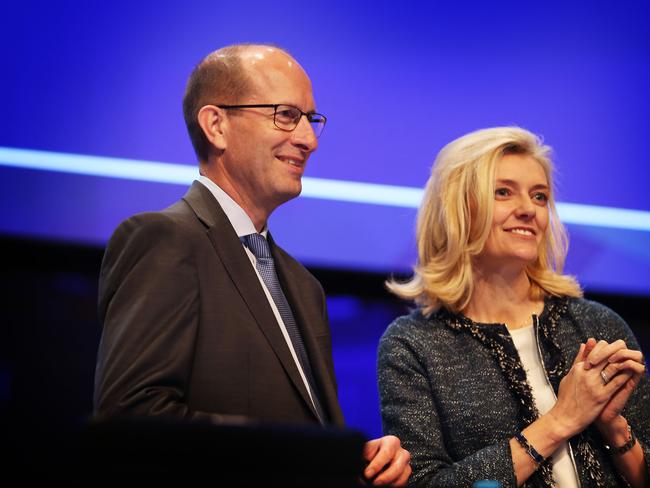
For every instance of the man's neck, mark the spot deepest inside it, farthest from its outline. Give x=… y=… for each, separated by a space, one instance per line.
x=258 y=214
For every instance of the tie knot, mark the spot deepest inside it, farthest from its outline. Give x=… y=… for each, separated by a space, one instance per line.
x=258 y=245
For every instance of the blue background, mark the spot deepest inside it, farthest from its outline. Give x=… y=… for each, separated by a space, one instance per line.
x=397 y=80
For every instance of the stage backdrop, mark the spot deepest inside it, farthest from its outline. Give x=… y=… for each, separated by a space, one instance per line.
x=91 y=129
x=91 y=98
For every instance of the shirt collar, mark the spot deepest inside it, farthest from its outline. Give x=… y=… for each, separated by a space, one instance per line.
x=238 y=218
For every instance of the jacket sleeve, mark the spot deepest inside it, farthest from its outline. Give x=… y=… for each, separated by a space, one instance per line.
x=148 y=308
x=409 y=412
x=612 y=327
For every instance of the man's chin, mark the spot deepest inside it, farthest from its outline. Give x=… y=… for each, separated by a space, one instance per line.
x=289 y=193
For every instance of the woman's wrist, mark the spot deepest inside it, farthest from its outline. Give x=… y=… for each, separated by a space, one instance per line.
x=559 y=430
x=616 y=432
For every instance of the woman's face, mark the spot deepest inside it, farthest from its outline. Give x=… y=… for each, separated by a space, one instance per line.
x=520 y=212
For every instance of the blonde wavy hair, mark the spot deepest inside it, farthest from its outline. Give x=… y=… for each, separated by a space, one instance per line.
x=455 y=218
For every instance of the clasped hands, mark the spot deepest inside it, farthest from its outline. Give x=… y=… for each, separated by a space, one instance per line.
x=597 y=387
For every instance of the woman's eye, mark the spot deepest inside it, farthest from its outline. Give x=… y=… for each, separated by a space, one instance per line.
x=541 y=197
x=501 y=192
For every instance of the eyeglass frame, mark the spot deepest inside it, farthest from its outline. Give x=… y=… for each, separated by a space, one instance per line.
x=275 y=106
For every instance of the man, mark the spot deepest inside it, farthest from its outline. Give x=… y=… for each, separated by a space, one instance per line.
x=204 y=316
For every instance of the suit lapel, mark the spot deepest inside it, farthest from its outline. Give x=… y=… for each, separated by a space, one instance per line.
x=233 y=256
x=306 y=317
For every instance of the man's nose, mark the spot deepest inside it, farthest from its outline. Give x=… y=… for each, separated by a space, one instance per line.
x=304 y=136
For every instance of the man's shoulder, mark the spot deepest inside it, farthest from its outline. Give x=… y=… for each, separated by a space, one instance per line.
x=174 y=217
x=174 y=229
x=190 y=209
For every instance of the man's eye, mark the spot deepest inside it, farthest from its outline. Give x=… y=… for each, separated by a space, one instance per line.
x=288 y=114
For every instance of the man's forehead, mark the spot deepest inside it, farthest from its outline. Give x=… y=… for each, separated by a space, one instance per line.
x=253 y=56
x=271 y=70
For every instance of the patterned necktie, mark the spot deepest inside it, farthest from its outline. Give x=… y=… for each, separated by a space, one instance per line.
x=259 y=246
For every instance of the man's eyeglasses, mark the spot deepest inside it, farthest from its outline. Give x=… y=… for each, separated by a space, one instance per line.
x=287 y=117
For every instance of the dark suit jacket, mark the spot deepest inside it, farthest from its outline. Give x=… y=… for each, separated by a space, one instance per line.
x=188 y=331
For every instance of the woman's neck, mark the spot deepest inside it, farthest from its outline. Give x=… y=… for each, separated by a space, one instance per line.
x=503 y=299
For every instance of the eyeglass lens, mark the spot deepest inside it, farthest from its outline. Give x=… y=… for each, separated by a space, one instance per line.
x=288 y=117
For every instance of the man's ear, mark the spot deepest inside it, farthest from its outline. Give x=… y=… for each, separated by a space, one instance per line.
x=213 y=123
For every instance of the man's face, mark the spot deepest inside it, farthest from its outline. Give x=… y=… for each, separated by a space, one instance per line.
x=263 y=163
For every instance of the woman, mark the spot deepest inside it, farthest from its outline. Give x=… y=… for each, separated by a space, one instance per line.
x=504 y=372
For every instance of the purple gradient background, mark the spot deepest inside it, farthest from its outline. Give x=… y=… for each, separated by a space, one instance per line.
x=397 y=82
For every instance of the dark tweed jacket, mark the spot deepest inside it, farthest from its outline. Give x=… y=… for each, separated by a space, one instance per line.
x=454 y=392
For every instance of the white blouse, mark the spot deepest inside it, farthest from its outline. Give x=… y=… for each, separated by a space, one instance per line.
x=526 y=343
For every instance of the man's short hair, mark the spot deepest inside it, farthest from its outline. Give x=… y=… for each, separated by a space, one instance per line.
x=220 y=78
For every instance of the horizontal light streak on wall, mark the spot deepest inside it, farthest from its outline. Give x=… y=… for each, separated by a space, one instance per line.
x=320 y=188
x=130 y=169
x=352 y=191
x=618 y=218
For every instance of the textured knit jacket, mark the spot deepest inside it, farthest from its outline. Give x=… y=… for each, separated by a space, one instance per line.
x=455 y=393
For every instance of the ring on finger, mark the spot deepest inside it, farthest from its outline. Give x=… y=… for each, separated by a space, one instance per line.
x=603 y=375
